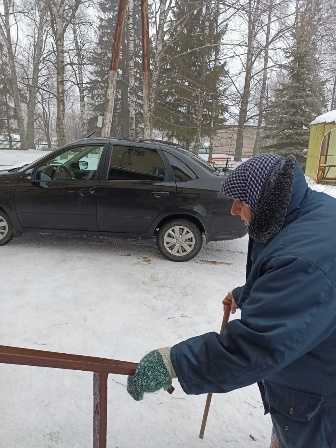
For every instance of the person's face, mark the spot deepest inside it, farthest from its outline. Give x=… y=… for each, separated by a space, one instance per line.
x=239 y=208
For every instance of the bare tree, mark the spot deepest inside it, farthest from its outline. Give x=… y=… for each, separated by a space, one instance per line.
x=78 y=69
x=45 y=116
x=33 y=83
x=327 y=48
x=5 y=108
x=112 y=78
x=333 y=96
x=216 y=62
x=62 y=14
x=146 y=69
x=131 y=71
x=253 y=19
x=261 y=106
x=6 y=18
x=161 y=19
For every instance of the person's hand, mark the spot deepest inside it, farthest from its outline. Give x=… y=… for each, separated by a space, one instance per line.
x=155 y=371
x=230 y=302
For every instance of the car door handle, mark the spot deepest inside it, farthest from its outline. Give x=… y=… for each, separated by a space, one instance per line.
x=87 y=192
x=160 y=194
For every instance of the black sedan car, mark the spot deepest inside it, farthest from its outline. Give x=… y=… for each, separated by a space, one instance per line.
x=111 y=186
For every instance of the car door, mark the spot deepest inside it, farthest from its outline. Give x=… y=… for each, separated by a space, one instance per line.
x=60 y=193
x=138 y=189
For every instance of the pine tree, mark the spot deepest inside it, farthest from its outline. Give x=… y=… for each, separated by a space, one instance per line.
x=300 y=98
x=189 y=100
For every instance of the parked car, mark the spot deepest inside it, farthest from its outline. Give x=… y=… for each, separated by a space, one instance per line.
x=119 y=187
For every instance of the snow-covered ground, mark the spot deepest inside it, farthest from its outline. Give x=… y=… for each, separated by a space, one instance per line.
x=328 y=189
x=116 y=299
x=17 y=158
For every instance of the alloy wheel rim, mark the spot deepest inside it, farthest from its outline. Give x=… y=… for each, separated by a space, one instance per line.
x=3 y=228
x=179 y=241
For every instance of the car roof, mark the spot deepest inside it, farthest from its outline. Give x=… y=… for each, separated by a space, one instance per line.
x=173 y=148
x=123 y=141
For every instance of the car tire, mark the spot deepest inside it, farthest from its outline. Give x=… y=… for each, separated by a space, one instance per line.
x=6 y=229
x=179 y=240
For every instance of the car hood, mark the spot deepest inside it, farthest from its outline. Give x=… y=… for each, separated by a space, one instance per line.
x=7 y=177
x=4 y=173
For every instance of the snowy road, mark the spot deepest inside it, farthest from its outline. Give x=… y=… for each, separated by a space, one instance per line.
x=117 y=299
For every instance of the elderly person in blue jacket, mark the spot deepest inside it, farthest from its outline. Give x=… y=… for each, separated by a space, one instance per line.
x=286 y=338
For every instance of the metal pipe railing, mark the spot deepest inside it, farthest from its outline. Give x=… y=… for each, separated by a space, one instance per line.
x=100 y=367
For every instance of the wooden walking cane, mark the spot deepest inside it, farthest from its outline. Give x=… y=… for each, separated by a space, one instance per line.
x=226 y=318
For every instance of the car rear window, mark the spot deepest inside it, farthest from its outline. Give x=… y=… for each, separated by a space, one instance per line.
x=181 y=171
x=197 y=159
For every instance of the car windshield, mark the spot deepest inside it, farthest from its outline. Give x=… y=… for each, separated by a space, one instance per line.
x=27 y=166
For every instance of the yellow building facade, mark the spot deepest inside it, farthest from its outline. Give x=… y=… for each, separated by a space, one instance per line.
x=321 y=157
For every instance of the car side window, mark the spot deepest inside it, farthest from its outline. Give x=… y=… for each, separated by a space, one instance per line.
x=132 y=163
x=75 y=164
x=181 y=172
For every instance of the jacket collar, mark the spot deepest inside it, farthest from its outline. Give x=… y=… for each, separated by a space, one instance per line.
x=274 y=201
x=299 y=193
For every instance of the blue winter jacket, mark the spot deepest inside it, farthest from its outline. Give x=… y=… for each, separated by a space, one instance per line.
x=286 y=337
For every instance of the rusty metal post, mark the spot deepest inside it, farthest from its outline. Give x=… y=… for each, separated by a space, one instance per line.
x=226 y=318
x=146 y=69
x=99 y=409
x=112 y=77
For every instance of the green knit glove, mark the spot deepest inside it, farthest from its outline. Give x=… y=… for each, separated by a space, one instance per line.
x=155 y=371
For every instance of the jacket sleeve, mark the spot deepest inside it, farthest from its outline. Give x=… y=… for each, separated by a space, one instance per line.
x=290 y=309
x=237 y=294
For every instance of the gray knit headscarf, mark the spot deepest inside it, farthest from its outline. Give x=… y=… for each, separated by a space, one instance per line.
x=263 y=182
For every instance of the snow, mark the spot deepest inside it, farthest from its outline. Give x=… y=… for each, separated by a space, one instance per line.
x=328 y=117
x=322 y=188
x=117 y=299
x=15 y=158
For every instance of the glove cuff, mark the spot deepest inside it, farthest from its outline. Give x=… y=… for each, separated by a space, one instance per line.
x=165 y=353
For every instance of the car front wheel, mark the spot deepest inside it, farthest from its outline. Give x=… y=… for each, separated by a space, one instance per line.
x=6 y=229
x=179 y=240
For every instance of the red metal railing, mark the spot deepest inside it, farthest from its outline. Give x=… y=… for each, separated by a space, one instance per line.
x=100 y=367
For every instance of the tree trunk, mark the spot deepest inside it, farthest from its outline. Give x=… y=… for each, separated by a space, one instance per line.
x=264 y=79
x=59 y=25
x=33 y=87
x=110 y=98
x=46 y=120
x=253 y=17
x=333 y=99
x=146 y=69
x=131 y=71
x=60 y=119
x=9 y=126
x=243 y=114
x=199 y=113
x=80 y=81
x=159 y=50
x=214 y=109
x=124 y=112
x=112 y=77
x=6 y=34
